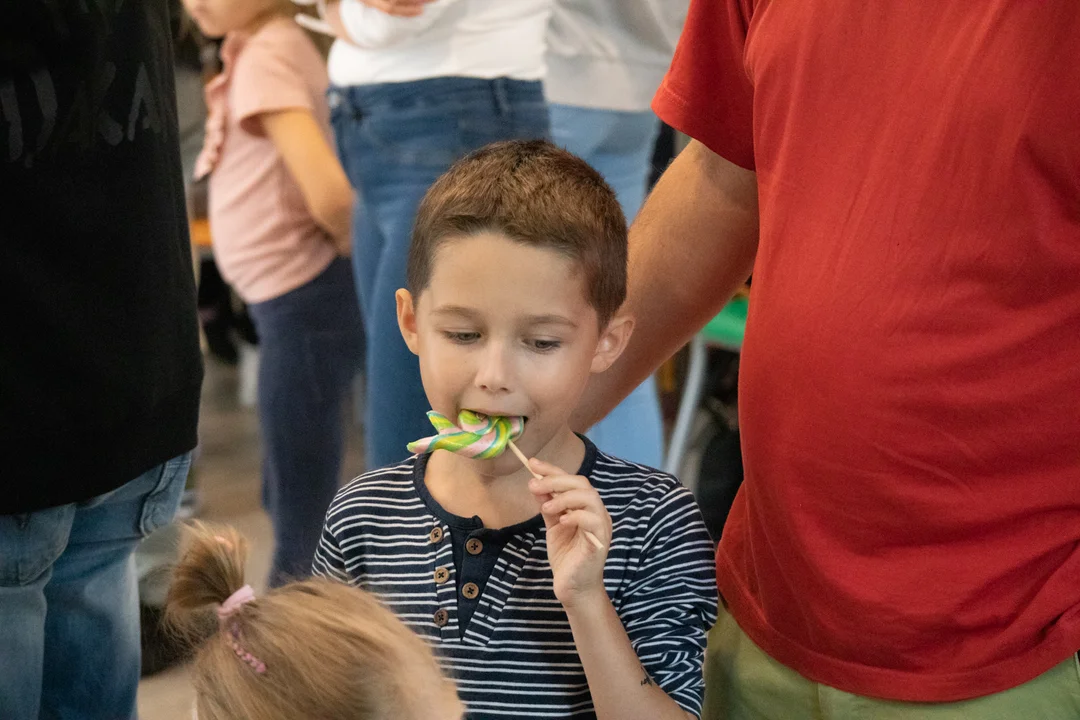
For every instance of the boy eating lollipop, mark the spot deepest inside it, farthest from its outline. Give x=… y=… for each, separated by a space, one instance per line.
x=516 y=274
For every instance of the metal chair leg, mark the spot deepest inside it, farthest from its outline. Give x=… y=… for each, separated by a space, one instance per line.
x=688 y=405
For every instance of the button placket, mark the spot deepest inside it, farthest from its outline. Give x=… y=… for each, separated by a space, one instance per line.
x=445 y=591
x=508 y=568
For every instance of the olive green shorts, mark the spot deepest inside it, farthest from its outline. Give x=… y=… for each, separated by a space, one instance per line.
x=743 y=683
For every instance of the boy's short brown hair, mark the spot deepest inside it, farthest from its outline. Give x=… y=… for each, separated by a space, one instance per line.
x=537 y=194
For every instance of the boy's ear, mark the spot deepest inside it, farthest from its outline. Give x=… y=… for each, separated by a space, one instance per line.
x=406 y=319
x=613 y=340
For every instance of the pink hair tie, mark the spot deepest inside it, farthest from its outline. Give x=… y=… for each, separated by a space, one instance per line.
x=234 y=602
x=232 y=631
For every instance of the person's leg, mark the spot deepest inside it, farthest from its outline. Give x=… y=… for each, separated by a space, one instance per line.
x=1054 y=695
x=92 y=653
x=624 y=152
x=310 y=352
x=581 y=130
x=395 y=403
x=619 y=145
x=634 y=429
x=352 y=149
x=390 y=184
x=367 y=243
x=366 y=238
x=743 y=683
x=406 y=144
x=29 y=545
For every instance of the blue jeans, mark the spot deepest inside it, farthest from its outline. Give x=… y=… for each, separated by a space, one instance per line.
x=310 y=347
x=69 y=603
x=619 y=145
x=395 y=140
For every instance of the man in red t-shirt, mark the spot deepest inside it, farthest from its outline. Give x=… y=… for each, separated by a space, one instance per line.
x=904 y=181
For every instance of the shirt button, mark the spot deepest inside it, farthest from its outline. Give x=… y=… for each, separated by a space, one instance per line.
x=474 y=546
x=436 y=535
x=441 y=618
x=470 y=591
x=442 y=575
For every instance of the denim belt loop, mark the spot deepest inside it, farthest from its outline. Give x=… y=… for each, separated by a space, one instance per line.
x=343 y=99
x=333 y=97
x=502 y=97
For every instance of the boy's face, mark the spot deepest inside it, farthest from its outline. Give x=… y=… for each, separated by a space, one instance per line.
x=506 y=329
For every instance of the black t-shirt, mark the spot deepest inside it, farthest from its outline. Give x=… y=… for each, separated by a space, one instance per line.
x=99 y=359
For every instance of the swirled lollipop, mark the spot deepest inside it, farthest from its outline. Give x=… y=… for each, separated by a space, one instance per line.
x=481 y=437
x=476 y=436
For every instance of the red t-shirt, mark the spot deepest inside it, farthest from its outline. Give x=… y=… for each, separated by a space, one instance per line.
x=909 y=527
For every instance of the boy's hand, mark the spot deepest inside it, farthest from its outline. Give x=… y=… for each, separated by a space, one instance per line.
x=570 y=506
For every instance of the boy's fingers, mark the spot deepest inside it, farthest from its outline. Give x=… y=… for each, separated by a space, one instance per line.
x=550 y=519
x=559 y=484
x=585 y=521
x=573 y=500
x=545 y=468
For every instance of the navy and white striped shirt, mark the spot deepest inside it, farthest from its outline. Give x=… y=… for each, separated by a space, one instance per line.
x=516 y=657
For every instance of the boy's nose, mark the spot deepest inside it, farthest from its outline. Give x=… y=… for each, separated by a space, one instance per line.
x=493 y=374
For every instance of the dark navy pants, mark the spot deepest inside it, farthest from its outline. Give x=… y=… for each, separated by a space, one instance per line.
x=310 y=348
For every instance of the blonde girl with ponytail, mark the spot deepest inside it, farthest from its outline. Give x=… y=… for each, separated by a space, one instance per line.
x=316 y=649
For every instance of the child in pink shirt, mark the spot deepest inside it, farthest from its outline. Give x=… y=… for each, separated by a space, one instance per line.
x=280 y=216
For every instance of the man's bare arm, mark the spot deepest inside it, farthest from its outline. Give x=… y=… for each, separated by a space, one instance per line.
x=691 y=247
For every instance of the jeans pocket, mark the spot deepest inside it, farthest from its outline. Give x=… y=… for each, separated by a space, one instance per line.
x=426 y=137
x=521 y=121
x=164 y=500
x=31 y=543
x=532 y=121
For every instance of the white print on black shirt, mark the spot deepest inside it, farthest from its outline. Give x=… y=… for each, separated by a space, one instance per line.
x=95 y=105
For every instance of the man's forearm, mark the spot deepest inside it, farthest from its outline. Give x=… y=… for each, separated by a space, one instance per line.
x=621 y=689
x=691 y=247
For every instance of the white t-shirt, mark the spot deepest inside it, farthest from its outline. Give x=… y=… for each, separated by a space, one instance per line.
x=461 y=38
x=611 y=54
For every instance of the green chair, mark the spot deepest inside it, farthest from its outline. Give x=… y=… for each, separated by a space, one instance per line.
x=723 y=331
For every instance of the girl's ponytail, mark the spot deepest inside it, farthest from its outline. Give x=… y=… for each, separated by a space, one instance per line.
x=210 y=571
x=311 y=649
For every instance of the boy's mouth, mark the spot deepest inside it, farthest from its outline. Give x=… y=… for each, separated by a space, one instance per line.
x=493 y=413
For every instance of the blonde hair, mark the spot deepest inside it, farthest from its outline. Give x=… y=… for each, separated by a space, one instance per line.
x=329 y=651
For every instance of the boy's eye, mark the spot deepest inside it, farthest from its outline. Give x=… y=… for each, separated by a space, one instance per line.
x=461 y=338
x=545 y=345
